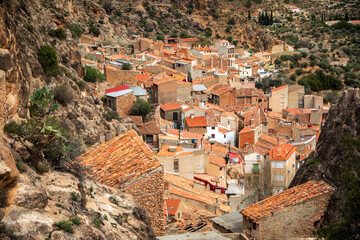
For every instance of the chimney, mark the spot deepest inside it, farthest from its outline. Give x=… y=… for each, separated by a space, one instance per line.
x=210 y=148
x=228 y=126
x=172 y=149
x=192 y=115
x=202 y=143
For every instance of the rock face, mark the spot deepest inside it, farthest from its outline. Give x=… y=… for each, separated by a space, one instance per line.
x=8 y=170
x=327 y=162
x=35 y=203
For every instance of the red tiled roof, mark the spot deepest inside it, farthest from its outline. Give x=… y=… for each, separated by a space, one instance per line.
x=189 y=40
x=170 y=106
x=221 y=89
x=217 y=160
x=282 y=152
x=116 y=89
x=119 y=160
x=143 y=77
x=278 y=88
x=171 y=206
x=196 y=121
x=211 y=180
x=289 y=197
x=150 y=128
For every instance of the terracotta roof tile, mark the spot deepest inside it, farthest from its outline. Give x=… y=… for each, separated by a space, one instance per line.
x=119 y=160
x=196 y=121
x=170 y=106
x=217 y=160
x=289 y=197
x=179 y=151
x=282 y=152
x=171 y=206
x=150 y=128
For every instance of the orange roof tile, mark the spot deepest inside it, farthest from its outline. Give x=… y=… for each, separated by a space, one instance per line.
x=211 y=179
x=170 y=106
x=289 y=197
x=279 y=88
x=221 y=89
x=282 y=152
x=119 y=160
x=217 y=160
x=196 y=121
x=179 y=151
x=171 y=206
x=150 y=128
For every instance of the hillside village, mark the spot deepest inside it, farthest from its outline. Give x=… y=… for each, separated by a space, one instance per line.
x=213 y=143
x=176 y=136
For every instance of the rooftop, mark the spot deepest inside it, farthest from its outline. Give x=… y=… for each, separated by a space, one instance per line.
x=170 y=106
x=171 y=206
x=138 y=91
x=289 y=197
x=119 y=93
x=279 y=88
x=150 y=128
x=217 y=160
x=116 y=89
x=119 y=160
x=282 y=152
x=194 y=236
x=196 y=121
x=231 y=221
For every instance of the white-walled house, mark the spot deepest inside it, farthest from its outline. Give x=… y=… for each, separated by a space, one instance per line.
x=221 y=134
x=254 y=163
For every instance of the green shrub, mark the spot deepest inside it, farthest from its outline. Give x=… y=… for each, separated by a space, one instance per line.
x=12 y=127
x=110 y=115
x=94 y=30
x=141 y=108
x=58 y=33
x=65 y=225
x=63 y=94
x=75 y=196
x=93 y=75
x=96 y=222
x=48 y=59
x=299 y=71
x=81 y=85
x=43 y=167
x=75 y=30
x=118 y=13
x=21 y=166
x=231 y=21
x=160 y=36
x=60 y=205
x=75 y=220
x=126 y=66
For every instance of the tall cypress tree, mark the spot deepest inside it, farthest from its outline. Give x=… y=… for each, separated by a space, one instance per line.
x=249 y=16
x=271 y=18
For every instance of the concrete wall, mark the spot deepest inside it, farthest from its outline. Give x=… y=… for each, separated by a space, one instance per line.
x=168 y=115
x=165 y=93
x=215 y=170
x=184 y=92
x=288 y=171
x=279 y=100
x=120 y=77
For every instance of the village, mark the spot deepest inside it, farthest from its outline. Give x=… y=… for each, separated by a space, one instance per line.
x=213 y=145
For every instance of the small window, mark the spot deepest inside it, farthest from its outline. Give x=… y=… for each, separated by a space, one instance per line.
x=110 y=102
x=278 y=177
x=176 y=165
x=281 y=104
x=175 y=116
x=224 y=135
x=212 y=135
x=213 y=128
x=282 y=95
x=257 y=157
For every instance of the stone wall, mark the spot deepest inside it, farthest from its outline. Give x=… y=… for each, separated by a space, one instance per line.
x=148 y=192
x=124 y=103
x=294 y=221
x=165 y=93
x=118 y=77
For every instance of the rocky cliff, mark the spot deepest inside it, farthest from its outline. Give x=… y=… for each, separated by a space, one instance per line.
x=336 y=160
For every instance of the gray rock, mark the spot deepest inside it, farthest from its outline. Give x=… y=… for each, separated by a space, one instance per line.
x=5 y=59
x=8 y=169
x=29 y=196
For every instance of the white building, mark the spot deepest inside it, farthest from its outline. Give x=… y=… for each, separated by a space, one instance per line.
x=221 y=134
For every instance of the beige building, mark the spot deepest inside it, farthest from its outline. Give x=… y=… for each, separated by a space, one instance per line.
x=279 y=98
x=313 y=101
x=183 y=161
x=296 y=96
x=282 y=166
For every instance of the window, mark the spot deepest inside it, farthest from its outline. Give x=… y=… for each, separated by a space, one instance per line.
x=175 y=116
x=282 y=95
x=224 y=135
x=212 y=128
x=109 y=103
x=281 y=104
x=278 y=177
x=178 y=215
x=277 y=164
x=257 y=157
x=212 y=135
x=176 y=165
x=255 y=168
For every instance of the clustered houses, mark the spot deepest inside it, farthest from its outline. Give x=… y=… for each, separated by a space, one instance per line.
x=213 y=142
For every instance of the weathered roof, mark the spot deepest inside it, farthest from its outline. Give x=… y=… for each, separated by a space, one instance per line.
x=199 y=87
x=150 y=128
x=279 y=88
x=116 y=89
x=217 y=160
x=138 y=91
x=196 y=121
x=170 y=106
x=195 y=236
x=282 y=152
x=119 y=93
x=119 y=160
x=231 y=221
x=289 y=197
x=171 y=206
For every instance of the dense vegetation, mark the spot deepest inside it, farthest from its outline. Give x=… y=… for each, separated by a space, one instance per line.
x=93 y=75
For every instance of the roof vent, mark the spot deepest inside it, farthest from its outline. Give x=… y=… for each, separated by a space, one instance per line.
x=172 y=148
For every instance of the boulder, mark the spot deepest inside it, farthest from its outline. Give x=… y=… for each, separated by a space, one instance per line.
x=29 y=196
x=8 y=169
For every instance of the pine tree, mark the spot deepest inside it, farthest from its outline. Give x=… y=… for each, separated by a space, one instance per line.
x=271 y=18
x=346 y=17
x=249 y=17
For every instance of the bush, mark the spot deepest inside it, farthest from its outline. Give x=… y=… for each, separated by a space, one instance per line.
x=160 y=36
x=229 y=38
x=208 y=32
x=126 y=66
x=58 y=33
x=75 y=196
x=75 y=30
x=93 y=75
x=293 y=77
x=110 y=115
x=43 y=167
x=63 y=94
x=141 y=108
x=94 y=30
x=299 y=71
x=21 y=166
x=75 y=220
x=231 y=21
x=48 y=59
x=81 y=85
x=96 y=222
x=65 y=225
